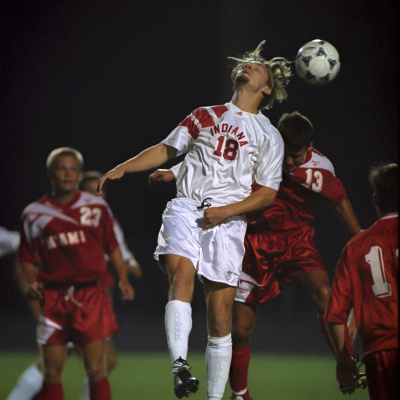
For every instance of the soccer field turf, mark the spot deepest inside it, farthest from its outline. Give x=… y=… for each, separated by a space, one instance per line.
x=146 y=376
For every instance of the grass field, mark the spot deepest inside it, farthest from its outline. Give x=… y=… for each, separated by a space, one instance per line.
x=146 y=376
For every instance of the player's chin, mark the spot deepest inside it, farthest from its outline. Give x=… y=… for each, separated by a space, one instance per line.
x=288 y=169
x=241 y=79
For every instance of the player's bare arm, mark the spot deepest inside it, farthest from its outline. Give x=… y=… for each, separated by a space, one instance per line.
x=127 y=292
x=23 y=285
x=34 y=289
x=134 y=268
x=150 y=158
x=257 y=201
x=345 y=214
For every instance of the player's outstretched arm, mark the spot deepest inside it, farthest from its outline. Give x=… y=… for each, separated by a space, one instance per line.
x=127 y=292
x=150 y=158
x=257 y=201
x=345 y=214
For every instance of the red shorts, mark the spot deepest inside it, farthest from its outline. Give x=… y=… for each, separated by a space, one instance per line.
x=272 y=257
x=79 y=315
x=382 y=374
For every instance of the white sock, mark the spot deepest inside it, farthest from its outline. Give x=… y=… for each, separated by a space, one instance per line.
x=28 y=385
x=85 y=389
x=218 y=361
x=178 y=324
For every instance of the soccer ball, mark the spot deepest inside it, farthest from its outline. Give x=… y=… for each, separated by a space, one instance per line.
x=317 y=62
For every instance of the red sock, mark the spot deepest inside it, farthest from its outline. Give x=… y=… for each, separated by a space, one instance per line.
x=100 y=390
x=51 y=392
x=325 y=332
x=238 y=372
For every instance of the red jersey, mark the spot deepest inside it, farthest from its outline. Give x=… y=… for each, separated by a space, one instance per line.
x=68 y=241
x=313 y=179
x=366 y=279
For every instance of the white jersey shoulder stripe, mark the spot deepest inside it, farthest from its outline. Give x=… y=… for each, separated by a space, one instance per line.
x=211 y=113
x=318 y=160
x=37 y=209
x=89 y=199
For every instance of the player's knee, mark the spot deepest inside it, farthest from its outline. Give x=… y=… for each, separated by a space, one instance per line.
x=53 y=374
x=240 y=336
x=321 y=298
x=182 y=291
x=241 y=331
x=219 y=326
x=95 y=371
x=111 y=363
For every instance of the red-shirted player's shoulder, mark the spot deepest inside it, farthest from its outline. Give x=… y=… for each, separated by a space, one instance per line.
x=315 y=159
x=381 y=225
x=37 y=206
x=89 y=199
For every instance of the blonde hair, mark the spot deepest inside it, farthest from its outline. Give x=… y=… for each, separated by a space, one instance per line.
x=63 y=151
x=278 y=70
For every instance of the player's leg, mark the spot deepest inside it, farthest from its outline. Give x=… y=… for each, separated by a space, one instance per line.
x=178 y=320
x=29 y=383
x=110 y=360
x=243 y=322
x=110 y=356
x=53 y=361
x=219 y=302
x=315 y=286
x=93 y=360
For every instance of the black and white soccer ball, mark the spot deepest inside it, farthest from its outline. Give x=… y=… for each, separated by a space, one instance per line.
x=317 y=62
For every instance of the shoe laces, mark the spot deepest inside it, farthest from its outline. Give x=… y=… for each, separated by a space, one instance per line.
x=359 y=362
x=180 y=364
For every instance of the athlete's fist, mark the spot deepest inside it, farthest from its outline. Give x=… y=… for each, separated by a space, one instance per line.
x=127 y=292
x=214 y=216
x=35 y=291
x=160 y=175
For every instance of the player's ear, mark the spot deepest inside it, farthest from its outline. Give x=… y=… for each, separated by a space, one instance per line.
x=266 y=90
x=374 y=200
x=310 y=146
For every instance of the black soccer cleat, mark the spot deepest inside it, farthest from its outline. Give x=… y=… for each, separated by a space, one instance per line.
x=184 y=382
x=360 y=381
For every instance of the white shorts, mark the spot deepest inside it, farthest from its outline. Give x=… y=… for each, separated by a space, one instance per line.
x=215 y=253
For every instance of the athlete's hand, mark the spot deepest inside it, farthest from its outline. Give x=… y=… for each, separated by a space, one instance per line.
x=214 y=216
x=133 y=268
x=116 y=173
x=127 y=292
x=346 y=371
x=160 y=175
x=35 y=291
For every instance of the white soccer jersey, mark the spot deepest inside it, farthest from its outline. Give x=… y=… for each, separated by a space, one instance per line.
x=227 y=150
x=9 y=241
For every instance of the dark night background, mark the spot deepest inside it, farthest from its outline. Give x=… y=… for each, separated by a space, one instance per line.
x=111 y=78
